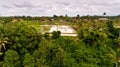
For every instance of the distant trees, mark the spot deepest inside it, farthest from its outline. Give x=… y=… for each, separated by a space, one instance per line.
x=56 y=34
x=55 y=16
x=104 y=13
x=66 y=15
x=78 y=16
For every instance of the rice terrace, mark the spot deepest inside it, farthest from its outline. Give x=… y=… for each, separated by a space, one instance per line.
x=64 y=29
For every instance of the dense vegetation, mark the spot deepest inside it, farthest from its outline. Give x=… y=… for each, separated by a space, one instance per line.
x=22 y=45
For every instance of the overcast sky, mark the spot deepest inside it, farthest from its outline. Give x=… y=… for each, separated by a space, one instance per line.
x=59 y=7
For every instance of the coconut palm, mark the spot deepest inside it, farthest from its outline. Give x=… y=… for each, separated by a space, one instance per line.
x=3 y=42
x=104 y=13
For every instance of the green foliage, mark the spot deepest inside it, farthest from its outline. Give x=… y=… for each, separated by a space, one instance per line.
x=23 y=38
x=56 y=34
x=20 y=37
x=93 y=37
x=26 y=47
x=29 y=61
x=98 y=55
x=41 y=53
x=11 y=59
x=46 y=35
x=113 y=32
x=1 y=64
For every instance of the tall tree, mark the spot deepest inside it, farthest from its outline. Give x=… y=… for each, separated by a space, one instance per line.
x=104 y=13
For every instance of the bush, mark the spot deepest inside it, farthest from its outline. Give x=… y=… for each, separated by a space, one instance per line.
x=56 y=34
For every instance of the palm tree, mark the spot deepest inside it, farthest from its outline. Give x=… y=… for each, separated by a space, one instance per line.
x=3 y=42
x=104 y=13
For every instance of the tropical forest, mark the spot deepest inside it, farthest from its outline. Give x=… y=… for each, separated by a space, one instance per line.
x=60 y=41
